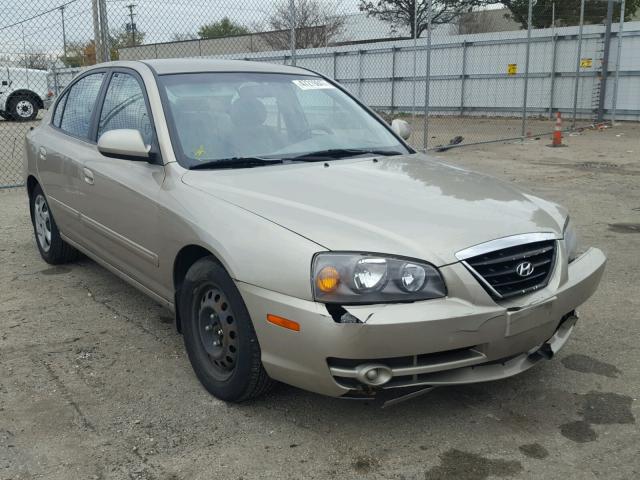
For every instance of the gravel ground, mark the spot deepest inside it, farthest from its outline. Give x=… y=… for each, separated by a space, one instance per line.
x=94 y=383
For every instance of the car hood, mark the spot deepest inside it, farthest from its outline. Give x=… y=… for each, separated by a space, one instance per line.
x=406 y=205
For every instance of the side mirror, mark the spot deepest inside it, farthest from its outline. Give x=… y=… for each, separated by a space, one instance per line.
x=123 y=143
x=402 y=128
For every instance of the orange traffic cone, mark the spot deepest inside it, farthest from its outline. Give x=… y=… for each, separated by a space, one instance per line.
x=557 y=133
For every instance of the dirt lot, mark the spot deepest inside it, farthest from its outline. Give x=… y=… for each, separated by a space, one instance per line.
x=95 y=384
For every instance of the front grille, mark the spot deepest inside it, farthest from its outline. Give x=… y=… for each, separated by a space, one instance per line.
x=497 y=270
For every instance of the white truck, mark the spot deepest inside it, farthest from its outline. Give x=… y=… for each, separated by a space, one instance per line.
x=23 y=91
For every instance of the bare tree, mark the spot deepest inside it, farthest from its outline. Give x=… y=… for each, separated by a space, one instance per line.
x=316 y=24
x=482 y=21
x=38 y=61
x=181 y=37
x=403 y=12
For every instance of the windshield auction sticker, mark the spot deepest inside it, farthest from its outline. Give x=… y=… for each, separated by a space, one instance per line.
x=315 y=84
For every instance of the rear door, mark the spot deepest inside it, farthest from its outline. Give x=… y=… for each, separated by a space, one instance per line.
x=62 y=148
x=121 y=197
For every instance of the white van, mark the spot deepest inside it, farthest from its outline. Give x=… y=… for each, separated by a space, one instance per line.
x=23 y=91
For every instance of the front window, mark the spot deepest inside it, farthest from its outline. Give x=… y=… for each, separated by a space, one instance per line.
x=124 y=107
x=229 y=116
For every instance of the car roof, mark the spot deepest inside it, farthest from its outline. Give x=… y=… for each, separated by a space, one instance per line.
x=192 y=65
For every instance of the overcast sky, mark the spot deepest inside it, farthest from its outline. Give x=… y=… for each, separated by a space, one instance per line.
x=159 y=19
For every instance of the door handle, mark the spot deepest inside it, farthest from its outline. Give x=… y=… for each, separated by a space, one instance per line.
x=42 y=153
x=88 y=176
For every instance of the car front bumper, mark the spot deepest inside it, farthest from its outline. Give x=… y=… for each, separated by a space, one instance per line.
x=464 y=338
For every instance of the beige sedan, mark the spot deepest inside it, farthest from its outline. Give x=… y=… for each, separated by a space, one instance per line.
x=297 y=236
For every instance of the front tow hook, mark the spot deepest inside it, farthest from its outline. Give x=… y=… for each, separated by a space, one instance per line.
x=545 y=351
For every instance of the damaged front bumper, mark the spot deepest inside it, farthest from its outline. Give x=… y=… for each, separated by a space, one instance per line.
x=464 y=338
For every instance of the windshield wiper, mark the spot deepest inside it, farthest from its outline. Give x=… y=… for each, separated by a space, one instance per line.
x=235 y=162
x=337 y=153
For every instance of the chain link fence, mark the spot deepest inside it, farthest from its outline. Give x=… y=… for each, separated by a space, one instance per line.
x=460 y=73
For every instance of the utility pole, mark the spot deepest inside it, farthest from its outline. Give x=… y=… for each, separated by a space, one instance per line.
x=104 y=29
x=605 y=61
x=64 y=33
x=97 y=41
x=132 y=25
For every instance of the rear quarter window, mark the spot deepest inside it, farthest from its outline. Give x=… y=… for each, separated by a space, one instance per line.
x=79 y=105
x=57 y=115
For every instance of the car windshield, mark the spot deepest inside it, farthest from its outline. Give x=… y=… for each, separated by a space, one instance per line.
x=233 y=117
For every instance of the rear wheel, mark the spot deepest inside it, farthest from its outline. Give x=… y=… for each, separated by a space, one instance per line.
x=23 y=108
x=52 y=248
x=219 y=336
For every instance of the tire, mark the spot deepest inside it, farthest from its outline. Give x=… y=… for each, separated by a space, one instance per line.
x=22 y=108
x=52 y=248
x=218 y=334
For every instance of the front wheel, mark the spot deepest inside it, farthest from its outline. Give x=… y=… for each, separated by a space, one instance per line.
x=23 y=108
x=219 y=336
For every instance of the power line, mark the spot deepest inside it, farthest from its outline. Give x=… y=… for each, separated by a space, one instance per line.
x=38 y=15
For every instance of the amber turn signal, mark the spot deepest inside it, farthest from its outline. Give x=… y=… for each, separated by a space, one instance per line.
x=328 y=279
x=283 y=322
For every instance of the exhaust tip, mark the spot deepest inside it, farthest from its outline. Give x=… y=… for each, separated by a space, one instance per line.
x=374 y=375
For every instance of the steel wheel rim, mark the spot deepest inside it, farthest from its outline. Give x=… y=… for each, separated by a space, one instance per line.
x=24 y=108
x=217 y=331
x=42 y=219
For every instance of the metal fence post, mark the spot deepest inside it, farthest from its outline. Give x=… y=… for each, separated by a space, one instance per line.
x=415 y=62
x=425 y=128
x=360 y=74
x=464 y=76
x=292 y=6
x=526 y=71
x=577 y=78
x=393 y=78
x=335 y=65
x=554 y=47
x=618 y=57
x=553 y=74
x=605 y=61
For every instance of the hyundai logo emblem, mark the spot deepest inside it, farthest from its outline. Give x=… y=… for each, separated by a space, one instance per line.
x=524 y=269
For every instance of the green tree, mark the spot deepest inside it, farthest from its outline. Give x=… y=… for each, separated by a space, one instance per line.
x=567 y=12
x=222 y=28
x=403 y=12
x=124 y=38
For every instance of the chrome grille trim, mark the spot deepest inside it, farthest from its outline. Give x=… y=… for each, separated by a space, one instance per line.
x=505 y=242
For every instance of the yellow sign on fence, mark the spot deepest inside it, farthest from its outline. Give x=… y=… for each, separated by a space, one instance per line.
x=586 y=62
x=512 y=69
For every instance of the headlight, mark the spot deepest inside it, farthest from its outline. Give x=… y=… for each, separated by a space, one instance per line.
x=570 y=240
x=357 y=278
